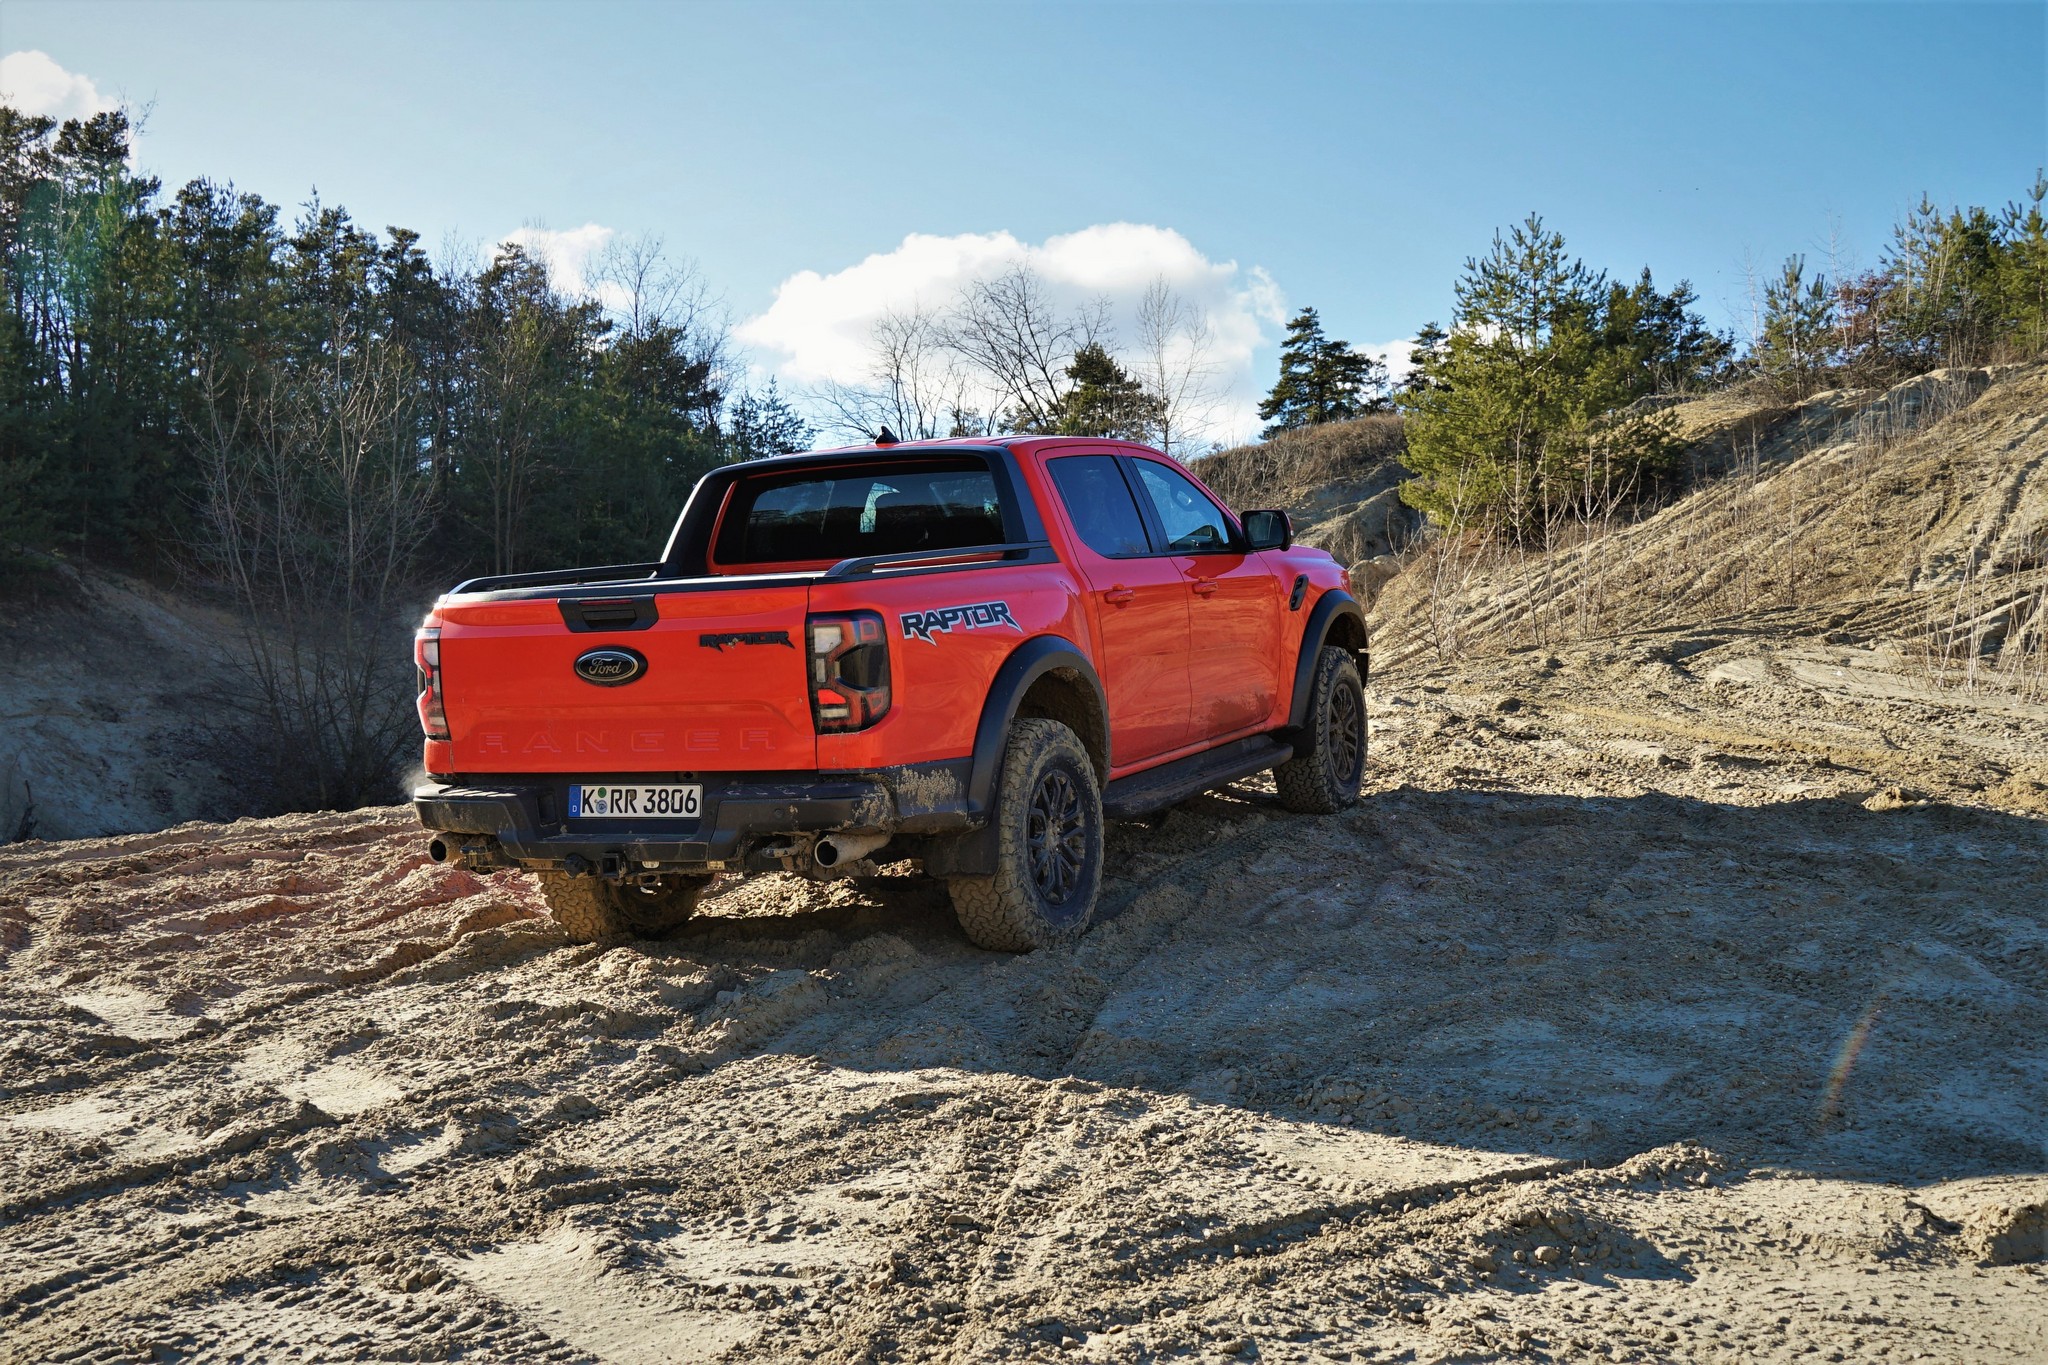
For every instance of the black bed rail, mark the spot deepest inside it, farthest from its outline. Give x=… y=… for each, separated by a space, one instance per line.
x=1019 y=552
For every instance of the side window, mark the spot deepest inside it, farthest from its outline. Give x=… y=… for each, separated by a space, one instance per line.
x=1192 y=522
x=1099 y=501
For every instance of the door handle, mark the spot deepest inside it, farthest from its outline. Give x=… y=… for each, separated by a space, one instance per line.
x=1205 y=586
x=1119 y=594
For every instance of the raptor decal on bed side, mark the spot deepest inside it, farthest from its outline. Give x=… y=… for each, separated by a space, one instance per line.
x=922 y=625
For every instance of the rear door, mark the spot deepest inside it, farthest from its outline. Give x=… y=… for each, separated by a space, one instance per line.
x=1234 y=604
x=720 y=684
x=1140 y=608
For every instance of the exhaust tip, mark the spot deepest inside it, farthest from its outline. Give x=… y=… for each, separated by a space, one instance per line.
x=437 y=849
x=834 y=850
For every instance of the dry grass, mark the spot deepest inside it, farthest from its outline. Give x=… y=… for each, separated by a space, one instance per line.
x=1282 y=472
x=1990 y=634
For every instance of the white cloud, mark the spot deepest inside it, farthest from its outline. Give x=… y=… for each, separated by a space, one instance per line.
x=819 y=326
x=571 y=256
x=1393 y=355
x=35 y=84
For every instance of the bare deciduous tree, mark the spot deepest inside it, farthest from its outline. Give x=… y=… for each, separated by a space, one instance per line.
x=506 y=442
x=1009 y=330
x=1172 y=361
x=916 y=386
x=998 y=358
x=642 y=290
x=314 y=513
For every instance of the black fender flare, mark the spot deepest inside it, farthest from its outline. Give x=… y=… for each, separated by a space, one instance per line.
x=1027 y=663
x=1331 y=605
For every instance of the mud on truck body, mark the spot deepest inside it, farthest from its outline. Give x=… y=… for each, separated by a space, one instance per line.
x=971 y=654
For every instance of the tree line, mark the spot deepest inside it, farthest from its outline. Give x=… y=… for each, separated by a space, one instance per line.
x=322 y=421
x=157 y=349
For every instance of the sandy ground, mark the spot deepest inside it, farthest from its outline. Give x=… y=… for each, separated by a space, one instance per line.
x=1680 y=998
x=111 y=714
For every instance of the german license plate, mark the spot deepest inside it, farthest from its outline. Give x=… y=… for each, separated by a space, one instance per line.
x=635 y=802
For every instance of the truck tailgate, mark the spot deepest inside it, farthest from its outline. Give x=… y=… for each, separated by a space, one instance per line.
x=723 y=687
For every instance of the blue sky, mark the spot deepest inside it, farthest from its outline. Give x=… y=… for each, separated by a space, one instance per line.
x=1347 y=156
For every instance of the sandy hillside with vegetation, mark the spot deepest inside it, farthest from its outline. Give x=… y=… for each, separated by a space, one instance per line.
x=1676 y=994
x=1340 y=482
x=1913 y=520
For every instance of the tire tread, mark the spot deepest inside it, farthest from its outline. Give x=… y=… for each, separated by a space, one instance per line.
x=588 y=908
x=1000 y=912
x=1306 y=783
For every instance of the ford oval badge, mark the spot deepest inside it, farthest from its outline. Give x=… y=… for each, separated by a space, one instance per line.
x=610 y=667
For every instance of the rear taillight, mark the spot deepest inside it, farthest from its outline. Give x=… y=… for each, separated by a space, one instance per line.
x=849 y=658
x=426 y=657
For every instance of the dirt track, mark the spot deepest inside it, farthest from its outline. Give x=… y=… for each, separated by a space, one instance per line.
x=1613 y=1024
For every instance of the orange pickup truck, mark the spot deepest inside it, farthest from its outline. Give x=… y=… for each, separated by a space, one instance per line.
x=968 y=653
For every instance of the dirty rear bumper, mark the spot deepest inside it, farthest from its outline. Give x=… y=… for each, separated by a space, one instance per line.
x=523 y=821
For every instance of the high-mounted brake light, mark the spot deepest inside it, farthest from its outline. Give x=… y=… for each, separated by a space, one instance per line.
x=849 y=667
x=426 y=657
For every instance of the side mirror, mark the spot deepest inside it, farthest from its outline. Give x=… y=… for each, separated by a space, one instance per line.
x=1268 y=530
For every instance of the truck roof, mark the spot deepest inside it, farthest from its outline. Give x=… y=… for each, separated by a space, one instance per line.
x=982 y=445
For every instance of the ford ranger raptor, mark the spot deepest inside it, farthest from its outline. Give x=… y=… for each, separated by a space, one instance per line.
x=968 y=653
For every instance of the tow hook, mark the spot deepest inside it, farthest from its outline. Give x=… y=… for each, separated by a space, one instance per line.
x=791 y=853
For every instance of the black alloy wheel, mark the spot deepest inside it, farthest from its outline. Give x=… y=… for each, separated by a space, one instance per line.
x=1347 y=743
x=1328 y=766
x=1056 y=836
x=1047 y=824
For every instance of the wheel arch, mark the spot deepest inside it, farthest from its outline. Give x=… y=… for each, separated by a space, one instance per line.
x=1336 y=619
x=1048 y=677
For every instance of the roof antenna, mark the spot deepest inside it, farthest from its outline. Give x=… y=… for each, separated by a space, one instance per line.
x=885 y=437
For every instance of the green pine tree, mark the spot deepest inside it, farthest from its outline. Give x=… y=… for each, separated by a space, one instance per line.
x=765 y=424
x=1321 y=379
x=1799 y=329
x=1519 y=413
x=1104 y=400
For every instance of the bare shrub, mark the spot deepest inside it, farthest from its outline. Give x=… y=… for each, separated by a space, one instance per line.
x=1989 y=634
x=313 y=517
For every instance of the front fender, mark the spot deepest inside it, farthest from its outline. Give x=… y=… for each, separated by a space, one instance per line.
x=1329 y=607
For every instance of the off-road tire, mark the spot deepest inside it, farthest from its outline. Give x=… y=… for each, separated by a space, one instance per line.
x=1323 y=776
x=1044 y=889
x=591 y=908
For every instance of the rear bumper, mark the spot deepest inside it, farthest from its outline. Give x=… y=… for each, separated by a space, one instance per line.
x=522 y=820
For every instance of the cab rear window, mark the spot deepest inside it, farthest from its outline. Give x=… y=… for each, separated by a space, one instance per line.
x=851 y=511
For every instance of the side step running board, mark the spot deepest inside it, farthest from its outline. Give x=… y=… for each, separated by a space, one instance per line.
x=1157 y=788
